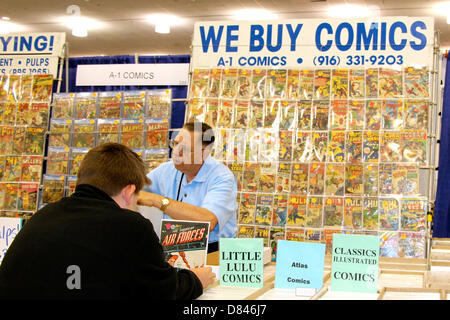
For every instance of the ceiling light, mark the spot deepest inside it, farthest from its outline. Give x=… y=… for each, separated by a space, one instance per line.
x=163 y=22
x=443 y=8
x=80 y=25
x=7 y=27
x=350 y=11
x=254 y=14
x=6 y=18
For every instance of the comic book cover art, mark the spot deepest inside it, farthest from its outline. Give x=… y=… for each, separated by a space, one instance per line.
x=370 y=179
x=322 y=84
x=370 y=214
x=299 y=178
x=280 y=210
x=353 y=212
x=414 y=146
x=252 y=145
x=154 y=157
x=2 y=167
x=389 y=213
x=4 y=85
x=221 y=147
x=389 y=244
x=287 y=115
x=11 y=193
x=320 y=113
x=184 y=243
x=268 y=151
x=23 y=116
x=132 y=134
x=76 y=156
x=319 y=146
x=108 y=131
x=83 y=133
x=62 y=105
x=28 y=196
x=26 y=86
x=405 y=179
x=241 y=114
x=229 y=83
x=86 y=105
x=416 y=114
x=417 y=82
x=316 y=178
x=304 y=111
x=353 y=179
x=196 y=110
x=413 y=214
x=267 y=174
x=34 y=140
x=215 y=81
x=392 y=114
x=356 y=113
x=251 y=177
x=411 y=245
x=39 y=113
x=226 y=113
x=306 y=84
x=339 y=84
x=244 y=83
x=296 y=211
x=19 y=140
x=159 y=104
x=212 y=112
x=338 y=115
x=272 y=114
x=357 y=84
x=14 y=88
x=336 y=146
x=13 y=168
x=42 y=87
x=258 y=84
x=314 y=212
x=256 y=119
x=237 y=146
x=199 y=87
x=59 y=135
x=134 y=104
x=390 y=83
x=276 y=83
x=9 y=113
x=371 y=146
x=276 y=233
x=262 y=232
x=372 y=83
x=283 y=178
x=109 y=105
x=245 y=231
x=328 y=239
x=293 y=84
x=373 y=115
x=312 y=235
x=57 y=161
x=238 y=171
x=390 y=146
x=385 y=182
x=263 y=213
x=285 y=146
x=31 y=168
x=6 y=143
x=157 y=135
x=295 y=234
x=334 y=179
x=71 y=185
x=303 y=147
x=333 y=211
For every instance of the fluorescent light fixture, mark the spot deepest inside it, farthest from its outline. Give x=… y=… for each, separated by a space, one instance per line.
x=443 y=8
x=351 y=11
x=7 y=27
x=254 y=14
x=163 y=22
x=80 y=25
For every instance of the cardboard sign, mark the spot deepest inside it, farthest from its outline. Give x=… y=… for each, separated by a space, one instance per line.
x=354 y=266
x=9 y=227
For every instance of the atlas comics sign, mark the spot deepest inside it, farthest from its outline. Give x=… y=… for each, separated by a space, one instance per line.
x=389 y=42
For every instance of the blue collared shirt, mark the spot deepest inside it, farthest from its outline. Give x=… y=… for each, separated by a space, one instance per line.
x=213 y=188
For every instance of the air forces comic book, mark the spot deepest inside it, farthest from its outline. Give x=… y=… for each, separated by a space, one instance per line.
x=390 y=146
x=299 y=178
x=276 y=83
x=314 y=212
x=357 y=84
x=86 y=105
x=316 y=178
x=416 y=114
x=42 y=87
x=296 y=211
x=322 y=79
x=62 y=105
x=371 y=145
x=258 y=84
x=333 y=212
x=229 y=83
x=199 y=87
x=134 y=104
x=263 y=213
x=293 y=84
x=84 y=133
x=353 y=179
x=417 y=82
x=247 y=208
x=356 y=113
x=392 y=114
x=339 y=84
x=353 y=212
x=109 y=105
x=304 y=111
x=370 y=213
x=390 y=83
x=413 y=214
x=334 y=179
x=31 y=168
x=336 y=146
x=108 y=131
x=389 y=213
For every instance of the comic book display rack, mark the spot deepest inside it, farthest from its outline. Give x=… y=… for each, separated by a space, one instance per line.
x=323 y=151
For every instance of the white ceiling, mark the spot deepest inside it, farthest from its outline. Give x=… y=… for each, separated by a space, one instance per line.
x=125 y=31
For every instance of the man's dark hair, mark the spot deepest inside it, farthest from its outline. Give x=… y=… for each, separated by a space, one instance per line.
x=110 y=167
x=207 y=135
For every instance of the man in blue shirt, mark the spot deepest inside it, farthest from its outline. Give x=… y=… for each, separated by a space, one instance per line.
x=194 y=186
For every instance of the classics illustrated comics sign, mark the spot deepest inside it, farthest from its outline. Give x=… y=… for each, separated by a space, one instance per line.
x=344 y=43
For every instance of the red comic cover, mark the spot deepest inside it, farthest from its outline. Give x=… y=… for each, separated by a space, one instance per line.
x=338 y=115
x=109 y=105
x=132 y=134
x=226 y=113
x=390 y=83
x=417 y=82
x=157 y=135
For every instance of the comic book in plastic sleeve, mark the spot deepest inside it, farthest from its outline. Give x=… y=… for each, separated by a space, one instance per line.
x=295 y=234
x=285 y=146
x=212 y=112
x=23 y=116
x=60 y=133
x=13 y=88
x=411 y=245
x=244 y=83
x=276 y=83
x=159 y=104
x=253 y=137
x=296 y=211
x=4 y=86
x=280 y=210
x=319 y=146
x=268 y=151
x=328 y=239
x=31 y=168
x=13 y=168
x=2 y=167
x=353 y=213
x=109 y=105
x=314 y=212
x=84 y=133
x=371 y=145
x=272 y=114
x=229 y=83
x=154 y=157
x=237 y=168
x=334 y=179
x=416 y=114
x=338 y=115
x=263 y=212
x=134 y=104
x=299 y=178
x=293 y=84
x=306 y=84
x=372 y=82
x=283 y=178
x=42 y=87
x=276 y=233
x=304 y=111
x=333 y=211
x=405 y=179
x=34 y=140
x=313 y=235
x=53 y=188
x=357 y=83
x=63 y=105
x=247 y=207
x=245 y=231
x=413 y=214
x=390 y=83
x=267 y=177
x=263 y=233
x=390 y=146
x=196 y=110
x=76 y=156
x=237 y=146
x=11 y=195
x=57 y=161
x=86 y=105
x=185 y=243
x=215 y=81
x=322 y=79
x=256 y=118
x=389 y=214
x=320 y=112
x=221 y=144
x=417 y=82
x=241 y=114
x=370 y=179
x=9 y=113
x=226 y=113
x=287 y=115
x=370 y=213
x=339 y=84
x=303 y=147
x=19 y=135
x=385 y=182
x=71 y=185
x=199 y=87
x=373 y=115
x=353 y=179
x=316 y=178
x=250 y=181
x=26 y=87
x=389 y=244
x=108 y=131
x=39 y=113
x=157 y=134
x=354 y=141
x=392 y=114
x=28 y=196
x=132 y=133
x=258 y=84
x=414 y=146
x=336 y=146
x=6 y=136
x=356 y=113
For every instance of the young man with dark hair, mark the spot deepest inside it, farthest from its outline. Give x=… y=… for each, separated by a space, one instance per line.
x=93 y=244
x=194 y=186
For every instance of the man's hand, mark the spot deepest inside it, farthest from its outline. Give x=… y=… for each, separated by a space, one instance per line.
x=205 y=275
